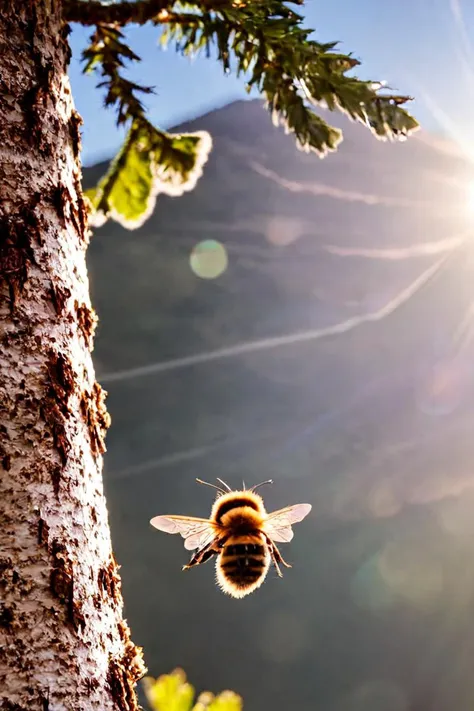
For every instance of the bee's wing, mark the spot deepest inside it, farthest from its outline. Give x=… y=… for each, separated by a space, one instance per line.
x=278 y=523
x=195 y=531
x=200 y=538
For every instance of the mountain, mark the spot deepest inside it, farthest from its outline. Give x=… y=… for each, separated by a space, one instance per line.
x=334 y=355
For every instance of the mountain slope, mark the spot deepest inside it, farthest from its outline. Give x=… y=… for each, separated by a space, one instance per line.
x=370 y=421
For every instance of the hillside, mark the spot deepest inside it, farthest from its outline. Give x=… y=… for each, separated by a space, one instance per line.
x=371 y=424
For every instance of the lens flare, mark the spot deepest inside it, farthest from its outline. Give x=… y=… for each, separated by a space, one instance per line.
x=209 y=259
x=408 y=572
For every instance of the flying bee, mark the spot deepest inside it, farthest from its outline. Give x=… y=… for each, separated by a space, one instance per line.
x=240 y=533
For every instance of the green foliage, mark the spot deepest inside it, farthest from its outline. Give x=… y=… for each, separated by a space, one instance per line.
x=264 y=41
x=150 y=162
x=295 y=74
x=172 y=692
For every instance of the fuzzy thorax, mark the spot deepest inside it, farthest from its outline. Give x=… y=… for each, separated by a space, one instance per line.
x=239 y=509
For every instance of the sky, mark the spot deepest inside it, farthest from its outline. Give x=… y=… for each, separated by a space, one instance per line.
x=424 y=48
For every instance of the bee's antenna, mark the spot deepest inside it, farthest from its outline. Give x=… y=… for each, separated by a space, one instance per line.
x=224 y=484
x=243 y=485
x=269 y=481
x=213 y=486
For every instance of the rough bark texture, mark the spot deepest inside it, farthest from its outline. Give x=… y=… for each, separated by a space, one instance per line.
x=63 y=641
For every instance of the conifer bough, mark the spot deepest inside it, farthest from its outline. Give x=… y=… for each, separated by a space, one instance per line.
x=63 y=641
x=263 y=40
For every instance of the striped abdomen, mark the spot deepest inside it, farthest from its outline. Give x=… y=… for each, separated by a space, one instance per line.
x=242 y=564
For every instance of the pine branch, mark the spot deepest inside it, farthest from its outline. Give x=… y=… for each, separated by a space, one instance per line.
x=266 y=41
x=267 y=44
x=109 y=52
x=263 y=40
x=94 y=12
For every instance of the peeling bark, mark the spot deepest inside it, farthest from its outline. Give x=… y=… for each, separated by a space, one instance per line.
x=63 y=642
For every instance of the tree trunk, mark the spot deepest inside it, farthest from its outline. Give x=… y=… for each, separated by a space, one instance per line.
x=63 y=641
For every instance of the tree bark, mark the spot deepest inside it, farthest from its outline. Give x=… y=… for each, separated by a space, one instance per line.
x=63 y=641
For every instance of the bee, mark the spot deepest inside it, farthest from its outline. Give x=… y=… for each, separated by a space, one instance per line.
x=240 y=533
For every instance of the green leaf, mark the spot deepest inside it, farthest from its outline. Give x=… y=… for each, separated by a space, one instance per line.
x=170 y=692
x=178 y=159
x=150 y=162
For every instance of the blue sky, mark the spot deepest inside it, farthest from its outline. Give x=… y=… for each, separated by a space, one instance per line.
x=421 y=47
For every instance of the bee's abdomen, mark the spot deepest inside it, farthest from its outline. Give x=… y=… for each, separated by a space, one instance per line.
x=243 y=563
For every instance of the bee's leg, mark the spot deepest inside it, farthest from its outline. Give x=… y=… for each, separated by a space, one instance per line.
x=275 y=562
x=279 y=557
x=276 y=556
x=201 y=556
